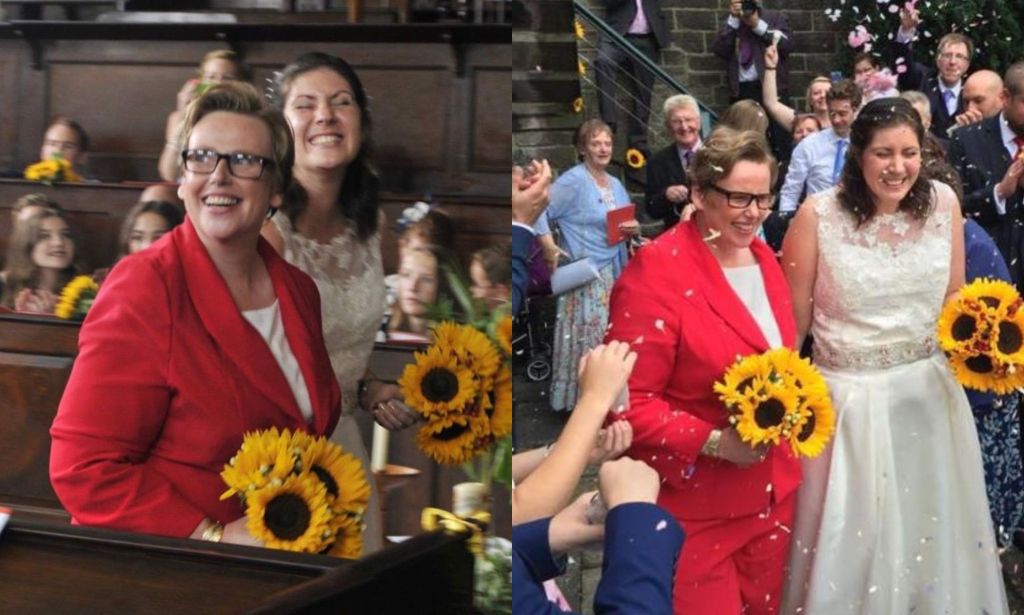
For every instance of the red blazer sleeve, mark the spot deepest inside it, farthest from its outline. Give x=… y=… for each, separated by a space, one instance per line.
x=114 y=407
x=645 y=313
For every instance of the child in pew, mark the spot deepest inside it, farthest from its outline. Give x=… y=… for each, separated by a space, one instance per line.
x=146 y=222
x=490 y=271
x=65 y=138
x=40 y=261
x=421 y=226
x=421 y=283
x=216 y=67
x=31 y=204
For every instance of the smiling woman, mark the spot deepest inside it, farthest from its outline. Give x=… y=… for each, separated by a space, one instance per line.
x=140 y=437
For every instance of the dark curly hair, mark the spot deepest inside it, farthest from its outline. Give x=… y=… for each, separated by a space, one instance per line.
x=854 y=195
x=358 y=198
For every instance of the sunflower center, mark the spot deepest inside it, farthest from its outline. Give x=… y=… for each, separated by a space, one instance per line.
x=980 y=364
x=287 y=516
x=964 y=327
x=807 y=429
x=769 y=413
x=1010 y=338
x=440 y=385
x=992 y=302
x=450 y=433
x=326 y=478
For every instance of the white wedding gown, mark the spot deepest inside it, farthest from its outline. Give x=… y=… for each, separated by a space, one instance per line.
x=892 y=518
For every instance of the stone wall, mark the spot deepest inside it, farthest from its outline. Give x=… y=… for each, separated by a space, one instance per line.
x=545 y=80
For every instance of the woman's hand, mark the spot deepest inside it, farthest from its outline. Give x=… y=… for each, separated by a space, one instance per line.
x=732 y=448
x=630 y=228
x=604 y=373
x=35 y=301
x=236 y=533
x=384 y=401
x=771 y=56
x=611 y=442
x=187 y=93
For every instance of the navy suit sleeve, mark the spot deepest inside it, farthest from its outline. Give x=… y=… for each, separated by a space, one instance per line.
x=522 y=240
x=978 y=200
x=657 y=206
x=641 y=545
x=532 y=564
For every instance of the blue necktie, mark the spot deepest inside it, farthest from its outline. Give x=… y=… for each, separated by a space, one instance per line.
x=837 y=166
x=950 y=99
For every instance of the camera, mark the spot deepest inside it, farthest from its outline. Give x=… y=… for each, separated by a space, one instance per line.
x=750 y=6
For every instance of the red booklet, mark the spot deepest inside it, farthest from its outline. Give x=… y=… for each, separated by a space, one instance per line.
x=615 y=218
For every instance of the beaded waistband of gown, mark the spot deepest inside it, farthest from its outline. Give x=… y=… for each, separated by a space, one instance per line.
x=875 y=357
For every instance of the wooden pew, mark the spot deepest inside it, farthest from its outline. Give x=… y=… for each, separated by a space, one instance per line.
x=36 y=355
x=97 y=210
x=63 y=569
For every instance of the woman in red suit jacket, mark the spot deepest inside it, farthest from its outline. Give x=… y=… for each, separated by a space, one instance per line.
x=690 y=303
x=171 y=370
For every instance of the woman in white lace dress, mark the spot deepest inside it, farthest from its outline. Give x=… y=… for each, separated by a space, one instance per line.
x=330 y=228
x=893 y=517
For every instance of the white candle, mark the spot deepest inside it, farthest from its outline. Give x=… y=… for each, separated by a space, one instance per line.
x=379 y=453
x=469 y=498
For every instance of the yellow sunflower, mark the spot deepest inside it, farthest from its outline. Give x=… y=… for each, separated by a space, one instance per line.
x=817 y=422
x=635 y=158
x=77 y=297
x=577 y=104
x=437 y=383
x=965 y=324
x=741 y=379
x=577 y=26
x=768 y=417
x=348 y=540
x=503 y=334
x=453 y=439
x=981 y=373
x=797 y=372
x=500 y=411
x=1008 y=338
x=341 y=473
x=471 y=346
x=995 y=294
x=581 y=68
x=265 y=458
x=293 y=516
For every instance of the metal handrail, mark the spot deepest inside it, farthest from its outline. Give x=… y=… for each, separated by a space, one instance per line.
x=708 y=117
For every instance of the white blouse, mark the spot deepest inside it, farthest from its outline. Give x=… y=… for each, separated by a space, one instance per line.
x=748 y=284
x=268 y=322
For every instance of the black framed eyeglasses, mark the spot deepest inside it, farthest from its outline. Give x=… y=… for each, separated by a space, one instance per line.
x=244 y=166
x=742 y=200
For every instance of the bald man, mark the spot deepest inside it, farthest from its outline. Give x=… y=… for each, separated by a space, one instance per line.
x=983 y=97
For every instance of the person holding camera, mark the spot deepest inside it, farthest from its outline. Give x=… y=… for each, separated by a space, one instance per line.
x=741 y=42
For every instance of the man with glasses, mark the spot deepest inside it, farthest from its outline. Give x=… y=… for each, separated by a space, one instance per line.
x=65 y=138
x=667 y=194
x=944 y=85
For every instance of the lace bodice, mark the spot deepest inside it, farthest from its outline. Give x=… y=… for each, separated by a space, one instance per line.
x=880 y=287
x=350 y=277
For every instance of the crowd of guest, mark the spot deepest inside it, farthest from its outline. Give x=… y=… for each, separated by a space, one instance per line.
x=257 y=264
x=840 y=229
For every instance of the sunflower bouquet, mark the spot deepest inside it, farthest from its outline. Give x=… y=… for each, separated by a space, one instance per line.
x=76 y=298
x=299 y=492
x=778 y=397
x=54 y=169
x=982 y=333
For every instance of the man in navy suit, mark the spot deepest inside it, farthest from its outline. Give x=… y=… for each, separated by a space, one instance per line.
x=944 y=84
x=641 y=545
x=643 y=25
x=989 y=156
x=668 y=190
x=529 y=198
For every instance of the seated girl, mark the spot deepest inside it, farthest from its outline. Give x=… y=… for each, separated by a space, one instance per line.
x=420 y=282
x=40 y=261
x=146 y=222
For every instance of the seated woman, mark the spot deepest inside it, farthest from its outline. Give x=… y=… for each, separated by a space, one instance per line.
x=490 y=271
x=146 y=222
x=217 y=67
x=141 y=433
x=40 y=261
x=420 y=284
